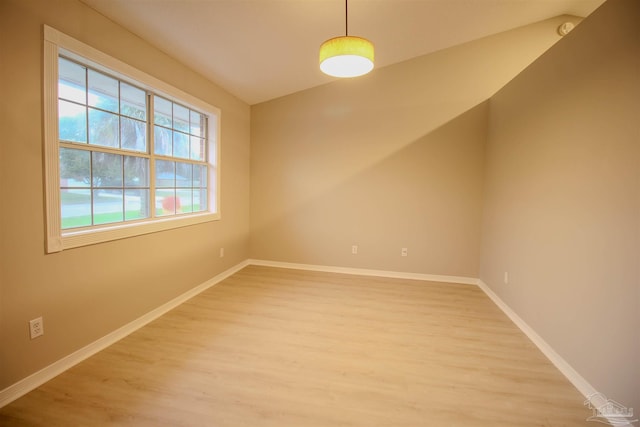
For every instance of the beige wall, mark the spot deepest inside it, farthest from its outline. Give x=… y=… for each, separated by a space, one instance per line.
x=394 y=159
x=562 y=211
x=85 y=293
x=389 y=160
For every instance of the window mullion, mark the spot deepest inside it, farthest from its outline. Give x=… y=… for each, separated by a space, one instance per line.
x=91 y=189
x=86 y=121
x=102 y=149
x=207 y=163
x=124 y=212
x=152 y=163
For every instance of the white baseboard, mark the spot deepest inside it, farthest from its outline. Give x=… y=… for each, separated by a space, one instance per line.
x=562 y=365
x=366 y=272
x=578 y=381
x=36 y=379
x=572 y=375
x=33 y=381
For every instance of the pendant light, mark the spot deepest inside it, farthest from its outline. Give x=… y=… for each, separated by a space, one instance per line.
x=346 y=56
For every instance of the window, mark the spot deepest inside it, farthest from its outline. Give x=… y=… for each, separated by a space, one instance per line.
x=125 y=154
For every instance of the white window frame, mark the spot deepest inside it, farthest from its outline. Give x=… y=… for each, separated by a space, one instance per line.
x=57 y=239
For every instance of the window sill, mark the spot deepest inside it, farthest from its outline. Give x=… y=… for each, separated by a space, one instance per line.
x=76 y=238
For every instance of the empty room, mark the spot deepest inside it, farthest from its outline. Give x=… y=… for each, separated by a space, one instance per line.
x=320 y=213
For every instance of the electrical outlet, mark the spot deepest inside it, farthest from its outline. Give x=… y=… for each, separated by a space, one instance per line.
x=404 y=252
x=354 y=249
x=221 y=252
x=36 y=327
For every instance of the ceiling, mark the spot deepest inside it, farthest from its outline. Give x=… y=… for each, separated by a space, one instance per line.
x=263 y=49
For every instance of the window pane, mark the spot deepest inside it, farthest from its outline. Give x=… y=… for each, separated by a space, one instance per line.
x=183 y=175
x=75 y=208
x=199 y=176
x=185 y=202
x=72 y=81
x=103 y=91
x=107 y=170
x=75 y=168
x=196 y=200
x=103 y=128
x=107 y=206
x=180 y=118
x=136 y=204
x=133 y=134
x=133 y=102
x=162 y=112
x=200 y=200
x=197 y=148
x=165 y=174
x=196 y=124
x=180 y=145
x=136 y=172
x=162 y=141
x=72 y=123
x=166 y=202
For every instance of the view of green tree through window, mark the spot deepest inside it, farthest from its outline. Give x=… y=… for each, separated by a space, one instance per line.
x=126 y=153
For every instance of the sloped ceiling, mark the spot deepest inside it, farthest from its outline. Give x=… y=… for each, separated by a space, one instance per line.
x=263 y=49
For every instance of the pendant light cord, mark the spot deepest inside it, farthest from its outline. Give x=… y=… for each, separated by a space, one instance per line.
x=346 y=17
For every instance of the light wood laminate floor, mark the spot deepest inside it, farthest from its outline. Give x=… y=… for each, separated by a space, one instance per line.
x=290 y=348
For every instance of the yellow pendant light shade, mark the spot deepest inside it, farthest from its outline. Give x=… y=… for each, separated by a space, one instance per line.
x=346 y=56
